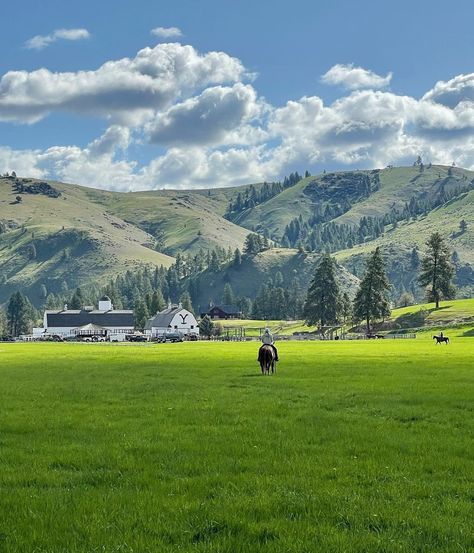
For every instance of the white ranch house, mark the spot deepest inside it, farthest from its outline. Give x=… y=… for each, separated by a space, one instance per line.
x=104 y=323
x=174 y=319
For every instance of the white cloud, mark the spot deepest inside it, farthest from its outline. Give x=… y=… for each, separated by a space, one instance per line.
x=216 y=130
x=167 y=32
x=39 y=42
x=127 y=90
x=453 y=92
x=214 y=117
x=354 y=78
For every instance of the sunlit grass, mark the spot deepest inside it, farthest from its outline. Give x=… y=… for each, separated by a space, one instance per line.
x=352 y=446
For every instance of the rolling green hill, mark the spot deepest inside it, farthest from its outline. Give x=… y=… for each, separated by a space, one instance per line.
x=62 y=235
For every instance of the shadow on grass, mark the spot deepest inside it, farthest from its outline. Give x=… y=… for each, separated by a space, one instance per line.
x=417 y=318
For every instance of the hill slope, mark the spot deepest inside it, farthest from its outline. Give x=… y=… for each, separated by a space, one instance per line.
x=65 y=239
x=64 y=235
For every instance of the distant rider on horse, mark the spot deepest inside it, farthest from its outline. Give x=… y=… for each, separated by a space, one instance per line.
x=267 y=339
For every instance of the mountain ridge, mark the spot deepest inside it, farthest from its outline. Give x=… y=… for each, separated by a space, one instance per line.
x=61 y=235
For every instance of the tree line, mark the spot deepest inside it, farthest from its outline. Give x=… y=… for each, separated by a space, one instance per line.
x=326 y=305
x=254 y=195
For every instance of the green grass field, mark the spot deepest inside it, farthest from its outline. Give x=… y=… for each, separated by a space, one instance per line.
x=352 y=447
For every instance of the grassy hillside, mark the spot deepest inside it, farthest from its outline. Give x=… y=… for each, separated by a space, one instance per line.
x=398 y=243
x=85 y=235
x=76 y=241
x=363 y=447
x=181 y=221
x=450 y=313
x=396 y=186
x=245 y=279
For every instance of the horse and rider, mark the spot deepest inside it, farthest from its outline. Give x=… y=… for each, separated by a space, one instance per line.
x=268 y=353
x=441 y=339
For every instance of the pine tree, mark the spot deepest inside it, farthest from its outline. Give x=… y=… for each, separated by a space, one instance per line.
x=228 y=297
x=141 y=314
x=436 y=271
x=322 y=300
x=77 y=300
x=18 y=314
x=237 y=257
x=214 y=262
x=186 y=302
x=462 y=226
x=157 y=302
x=206 y=326
x=345 y=307
x=371 y=302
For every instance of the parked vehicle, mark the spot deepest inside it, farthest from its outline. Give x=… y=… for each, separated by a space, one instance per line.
x=171 y=337
x=136 y=338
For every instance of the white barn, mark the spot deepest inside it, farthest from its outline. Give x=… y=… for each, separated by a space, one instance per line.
x=174 y=319
x=104 y=323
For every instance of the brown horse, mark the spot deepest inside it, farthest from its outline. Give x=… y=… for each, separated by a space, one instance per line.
x=266 y=356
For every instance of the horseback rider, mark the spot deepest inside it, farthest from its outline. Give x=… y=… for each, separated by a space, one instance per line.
x=267 y=339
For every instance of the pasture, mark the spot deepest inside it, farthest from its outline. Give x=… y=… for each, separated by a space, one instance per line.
x=358 y=447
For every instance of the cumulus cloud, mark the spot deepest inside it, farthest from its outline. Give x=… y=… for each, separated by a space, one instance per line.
x=126 y=90
x=167 y=32
x=354 y=78
x=214 y=129
x=453 y=92
x=39 y=42
x=213 y=117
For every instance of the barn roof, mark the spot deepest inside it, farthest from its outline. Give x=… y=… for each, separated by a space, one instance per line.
x=75 y=318
x=163 y=318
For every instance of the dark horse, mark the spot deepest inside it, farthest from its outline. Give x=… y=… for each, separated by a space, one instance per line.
x=266 y=356
x=441 y=339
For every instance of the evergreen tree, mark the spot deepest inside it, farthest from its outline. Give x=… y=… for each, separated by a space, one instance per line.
x=18 y=314
x=436 y=271
x=237 y=258
x=214 y=262
x=141 y=314
x=157 y=302
x=77 y=300
x=186 y=302
x=206 y=326
x=462 y=226
x=322 y=300
x=228 y=297
x=3 y=324
x=345 y=307
x=371 y=302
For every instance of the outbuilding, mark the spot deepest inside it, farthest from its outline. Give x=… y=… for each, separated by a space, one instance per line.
x=104 y=323
x=173 y=319
x=223 y=312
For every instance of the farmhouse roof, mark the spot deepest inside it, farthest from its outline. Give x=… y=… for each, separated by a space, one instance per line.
x=73 y=318
x=229 y=309
x=163 y=318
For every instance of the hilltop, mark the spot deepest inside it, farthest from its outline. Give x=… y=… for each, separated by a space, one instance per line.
x=63 y=235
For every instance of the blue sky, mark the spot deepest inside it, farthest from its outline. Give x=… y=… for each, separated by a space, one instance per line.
x=235 y=125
